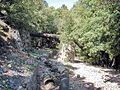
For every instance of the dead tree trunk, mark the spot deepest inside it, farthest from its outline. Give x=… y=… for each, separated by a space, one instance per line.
x=55 y=36
x=45 y=35
x=47 y=40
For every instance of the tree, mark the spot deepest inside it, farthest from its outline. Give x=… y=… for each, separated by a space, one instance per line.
x=96 y=27
x=64 y=7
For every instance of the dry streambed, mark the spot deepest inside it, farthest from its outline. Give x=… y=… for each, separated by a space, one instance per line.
x=87 y=77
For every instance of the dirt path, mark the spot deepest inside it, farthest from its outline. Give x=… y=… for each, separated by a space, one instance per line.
x=86 y=77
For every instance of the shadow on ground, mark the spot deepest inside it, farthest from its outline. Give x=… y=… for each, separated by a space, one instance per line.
x=114 y=78
x=78 y=83
x=13 y=82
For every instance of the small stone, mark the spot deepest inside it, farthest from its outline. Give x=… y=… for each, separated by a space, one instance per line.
x=98 y=88
x=78 y=76
x=54 y=69
x=61 y=69
x=64 y=84
x=20 y=88
x=9 y=65
x=1 y=87
x=65 y=74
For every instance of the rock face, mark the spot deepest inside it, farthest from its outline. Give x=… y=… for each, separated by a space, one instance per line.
x=15 y=38
x=67 y=52
x=9 y=36
x=26 y=40
x=18 y=42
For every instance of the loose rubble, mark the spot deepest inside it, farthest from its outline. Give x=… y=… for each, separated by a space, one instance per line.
x=35 y=70
x=87 y=77
x=16 y=68
x=49 y=75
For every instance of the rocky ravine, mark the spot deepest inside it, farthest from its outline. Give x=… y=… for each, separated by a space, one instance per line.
x=35 y=70
x=31 y=71
x=20 y=70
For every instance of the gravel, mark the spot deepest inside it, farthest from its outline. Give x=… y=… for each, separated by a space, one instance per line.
x=97 y=77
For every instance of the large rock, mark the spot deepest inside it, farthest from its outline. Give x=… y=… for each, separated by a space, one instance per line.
x=64 y=83
x=49 y=75
x=67 y=52
x=9 y=36
x=116 y=62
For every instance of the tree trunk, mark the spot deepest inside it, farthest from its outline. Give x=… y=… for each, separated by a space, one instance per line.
x=45 y=35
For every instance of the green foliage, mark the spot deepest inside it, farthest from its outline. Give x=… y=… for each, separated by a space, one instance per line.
x=66 y=60
x=64 y=7
x=26 y=14
x=95 y=25
x=29 y=15
x=67 y=28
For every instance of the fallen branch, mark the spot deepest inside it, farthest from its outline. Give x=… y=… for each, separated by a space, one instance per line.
x=54 y=36
x=45 y=35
